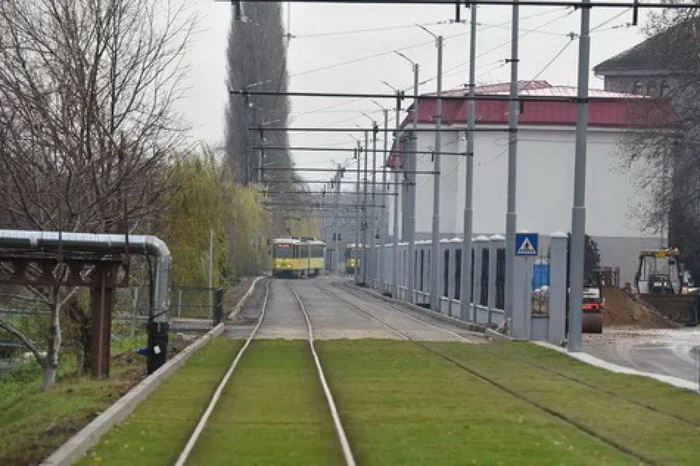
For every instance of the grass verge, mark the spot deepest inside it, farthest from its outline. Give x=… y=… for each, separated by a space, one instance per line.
x=273 y=412
x=660 y=396
x=157 y=430
x=652 y=435
x=34 y=423
x=402 y=405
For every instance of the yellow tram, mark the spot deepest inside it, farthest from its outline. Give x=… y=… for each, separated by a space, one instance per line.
x=297 y=257
x=352 y=257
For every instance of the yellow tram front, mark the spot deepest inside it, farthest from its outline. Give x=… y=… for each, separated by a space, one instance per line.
x=297 y=257
x=352 y=258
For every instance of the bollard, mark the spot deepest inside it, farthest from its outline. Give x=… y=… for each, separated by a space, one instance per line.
x=218 y=306
x=157 y=345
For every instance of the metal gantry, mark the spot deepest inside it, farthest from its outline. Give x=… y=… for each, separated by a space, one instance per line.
x=362 y=206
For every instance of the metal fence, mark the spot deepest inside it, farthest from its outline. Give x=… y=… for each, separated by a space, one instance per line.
x=186 y=302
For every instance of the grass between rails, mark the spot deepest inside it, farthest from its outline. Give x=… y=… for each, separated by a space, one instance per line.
x=158 y=429
x=33 y=423
x=660 y=396
x=403 y=405
x=652 y=435
x=272 y=412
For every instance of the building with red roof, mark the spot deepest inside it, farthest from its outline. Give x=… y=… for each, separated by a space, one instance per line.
x=545 y=165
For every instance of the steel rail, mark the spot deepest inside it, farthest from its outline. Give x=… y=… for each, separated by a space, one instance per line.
x=479 y=375
x=217 y=394
x=344 y=443
x=365 y=314
x=395 y=310
x=592 y=386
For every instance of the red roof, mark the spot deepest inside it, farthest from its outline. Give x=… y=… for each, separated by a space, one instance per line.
x=605 y=109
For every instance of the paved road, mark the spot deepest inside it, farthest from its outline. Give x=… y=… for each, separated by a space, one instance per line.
x=333 y=311
x=674 y=352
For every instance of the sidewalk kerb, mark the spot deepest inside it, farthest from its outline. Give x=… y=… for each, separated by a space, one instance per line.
x=232 y=315
x=78 y=445
x=600 y=363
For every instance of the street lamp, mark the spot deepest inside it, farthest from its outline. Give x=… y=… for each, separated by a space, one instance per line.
x=435 y=247
x=410 y=191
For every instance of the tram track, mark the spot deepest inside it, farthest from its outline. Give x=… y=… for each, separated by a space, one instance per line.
x=253 y=335
x=184 y=455
x=501 y=355
x=340 y=431
x=490 y=380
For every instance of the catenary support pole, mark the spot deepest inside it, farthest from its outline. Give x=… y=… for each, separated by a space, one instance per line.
x=210 y=280
x=365 y=263
x=411 y=162
x=356 y=252
x=397 y=188
x=512 y=167
x=371 y=265
x=466 y=289
x=435 y=246
x=336 y=226
x=382 y=211
x=578 y=213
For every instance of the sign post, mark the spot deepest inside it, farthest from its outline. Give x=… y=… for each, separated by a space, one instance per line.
x=526 y=249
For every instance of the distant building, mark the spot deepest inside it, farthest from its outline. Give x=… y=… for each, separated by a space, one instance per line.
x=651 y=67
x=545 y=169
x=666 y=66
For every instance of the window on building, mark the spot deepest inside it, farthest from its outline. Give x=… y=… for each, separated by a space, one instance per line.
x=663 y=90
x=638 y=88
x=651 y=88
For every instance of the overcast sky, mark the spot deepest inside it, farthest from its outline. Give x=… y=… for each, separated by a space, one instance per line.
x=324 y=40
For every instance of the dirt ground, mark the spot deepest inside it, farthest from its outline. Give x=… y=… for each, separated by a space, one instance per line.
x=621 y=310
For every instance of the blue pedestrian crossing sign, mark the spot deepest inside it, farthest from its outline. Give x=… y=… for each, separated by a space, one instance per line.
x=526 y=244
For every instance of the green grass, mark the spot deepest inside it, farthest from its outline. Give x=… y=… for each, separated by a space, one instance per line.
x=402 y=405
x=273 y=412
x=33 y=423
x=159 y=428
x=660 y=396
x=650 y=434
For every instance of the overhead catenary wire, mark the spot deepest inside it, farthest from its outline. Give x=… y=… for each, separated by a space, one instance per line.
x=382 y=130
x=453 y=70
x=323 y=193
x=342 y=95
x=389 y=52
x=551 y=62
x=452 y=3
x=330 y=149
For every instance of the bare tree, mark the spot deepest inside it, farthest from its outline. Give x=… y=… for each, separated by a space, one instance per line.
x=87 y=124
x=663 y=150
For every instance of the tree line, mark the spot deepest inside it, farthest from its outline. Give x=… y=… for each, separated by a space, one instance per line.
x=91 y=141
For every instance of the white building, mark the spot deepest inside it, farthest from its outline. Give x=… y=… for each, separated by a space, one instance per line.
x=545 y=170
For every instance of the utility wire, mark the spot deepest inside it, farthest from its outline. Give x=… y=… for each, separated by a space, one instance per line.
x=448 y=71
x=507 y=42
x=558 y=54
x=421 y=44
x=604 y=23
x=366 y=30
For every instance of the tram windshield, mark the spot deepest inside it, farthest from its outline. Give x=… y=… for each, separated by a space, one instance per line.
x=283 y=251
